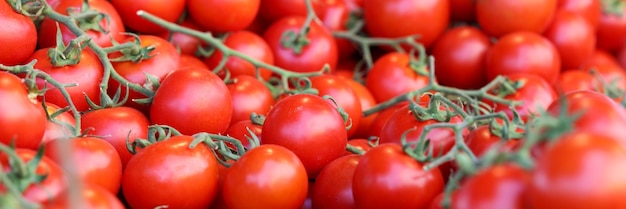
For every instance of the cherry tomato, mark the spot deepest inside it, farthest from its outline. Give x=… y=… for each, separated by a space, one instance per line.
x=186 y=44
x=590 y=9
x=54 y=130
x=536 y=95
x=239 y=130
x=223 y=16
x=249 y=44
x=188 y=61
x=169 y=10
x=272 y=10
x=574 y=80
x=343 y=94
x=362 y=144
x=91 y=197
x=611 y=27
x=602 y=57
x=367 y=101
x=18 y=37
x=249 y=96
x=574 y=38
x=463 y=10
x=382 y=118
x=500 y=17
x=481 y=139
x=392 y=76
x=335 y=15
x=333 y=187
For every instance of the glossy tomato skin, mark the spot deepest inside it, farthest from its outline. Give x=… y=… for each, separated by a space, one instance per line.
x=18 y=37
x=249 y=44
x=536 y=94
x=460 y=57
x=382 y=118
x=391 y=76
x=611 y=30
x=602 y=57
x=463 y=10
x=589 y=9
x=113 y=25
x=320 y=50
x=91 y=197
x=239 y=130
x=249 y=96
x=580 y=170
x=176 y=102
x=500 y=17
x=169 y=10
x=346 y=98
x=388 y=178
x=55 y=130
x=167 y=172
x=272 y=10
x=523 y=52
x=481 y=139
x=268 y=176
x=87 y=74
x=22 y=120
x=367 y=101
x=574 y=38
x=362 y=144
x=333 y=187
x=302 y=122
x=574 y=80
x=400 y=18
x=189 y=61
x=186 y=44
x=117 y=125
x=335 y=15
x=225 y=16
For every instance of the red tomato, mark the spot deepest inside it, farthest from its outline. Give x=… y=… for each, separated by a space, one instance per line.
x=112 y=25
x=223 y=16
x=335 y=14
x=602 y=57
x=239 y=130
x=463 y=10
x=523 y=52
x=117 y=125
x=96 y=161
x=460 y=58
x=54 y=130
x=388 y=178
x=499 y=186
x=621 y=57
x=580 y=170
x=169 y=10
x=272 y=10
x=18 y=37
x=87 y=74
x=590 y=9
x=333 y=187
x=249 y=96
x=611 y=28
x=382 y=118
x=91 y=197
x=310 y=127
x=362 y=144
x=170 y=173
x=188 y=45
x=249 y=44
x=23 y=120
x=367 y=101
x=268 y=176
x=574 y=80
x=399 y=18
x=574 y=38
x=481 y=139
x=176 y=102
x=392 y=76
x=535 y=94
x=500 y=17
x=346 y=98
x=188 y=61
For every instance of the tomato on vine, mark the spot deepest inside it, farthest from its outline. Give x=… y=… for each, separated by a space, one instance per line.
x=18 y=37
x=500 y=17
x=223 y=16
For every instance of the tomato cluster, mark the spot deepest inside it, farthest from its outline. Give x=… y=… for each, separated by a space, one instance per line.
x=312 y=104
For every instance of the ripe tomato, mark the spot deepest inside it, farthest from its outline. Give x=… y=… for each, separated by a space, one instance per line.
x=333 y=187
x=523 y=52
x=268 y=176
x=335 y=14
x=96 y=161
x=388 y=178
x=176 y=102
x=249 y=96
x=165 y=173
x=169 y=10
x=310 y=127
x=112 y=24
x=116 y=125
x=611 y=28
x=239 y=130
x=580 y=170
x=382 y=118
x=500 y=17
x=589 y=9
x=362 y=144
x=535 y=94
x=392 y=76
x=23 y=120
x=223 y=16
x=602 y=57
x=55 y=130
x=499 y=186
x=346 y=98
x=574 y=80
x=461 y=52
x=463 y=10
x=188 y=45
x=320 y=50
x=367 y=101
x=18 y=37
x=574 y=38
x=481 y=139
x=249 y=44
x=91 y=197
x=399 y=18
x=272 y=10
x=189 y=61
x=87 y=74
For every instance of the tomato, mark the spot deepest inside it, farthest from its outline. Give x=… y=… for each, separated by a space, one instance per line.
x=272 y=10
x=165 y=60
x=239 y=130
x=574 y=80
x=362 y=144
x=249 y=96
x=249 y=44
x=310 y=127
x=382 y=118
x=481 y=139
x=219 y=203
x=335 y=14
x=602 y=57
x=87 y=75
x=535 y=94
x=354 y=5
x=500 y=17
x=333 y=187
x=112 y=25
x=574 y=38
x=18 y=37
x=523 y=52
x=188 y=45
x=400 y=18
x=168 y=10
x=320 y=50
x=621 y=57
x=580 y=170
x=461 y=52
x=91 y=197
x=96 y=161
x=170 y=173
x=463 y=10
x=610 y=74
x=188 y=61
x=589 y=9
x=388 y=178
x=223 y=16
x=343 y=94
x=268 y=176
x=117 y=126
x=176 y=102
x=392 y=76
x=54 y=130
x=499 y=186
x=367 y=101
x=611 y=28
x=23 y=120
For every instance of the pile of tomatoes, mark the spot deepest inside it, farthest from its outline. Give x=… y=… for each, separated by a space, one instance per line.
x=312 y=104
